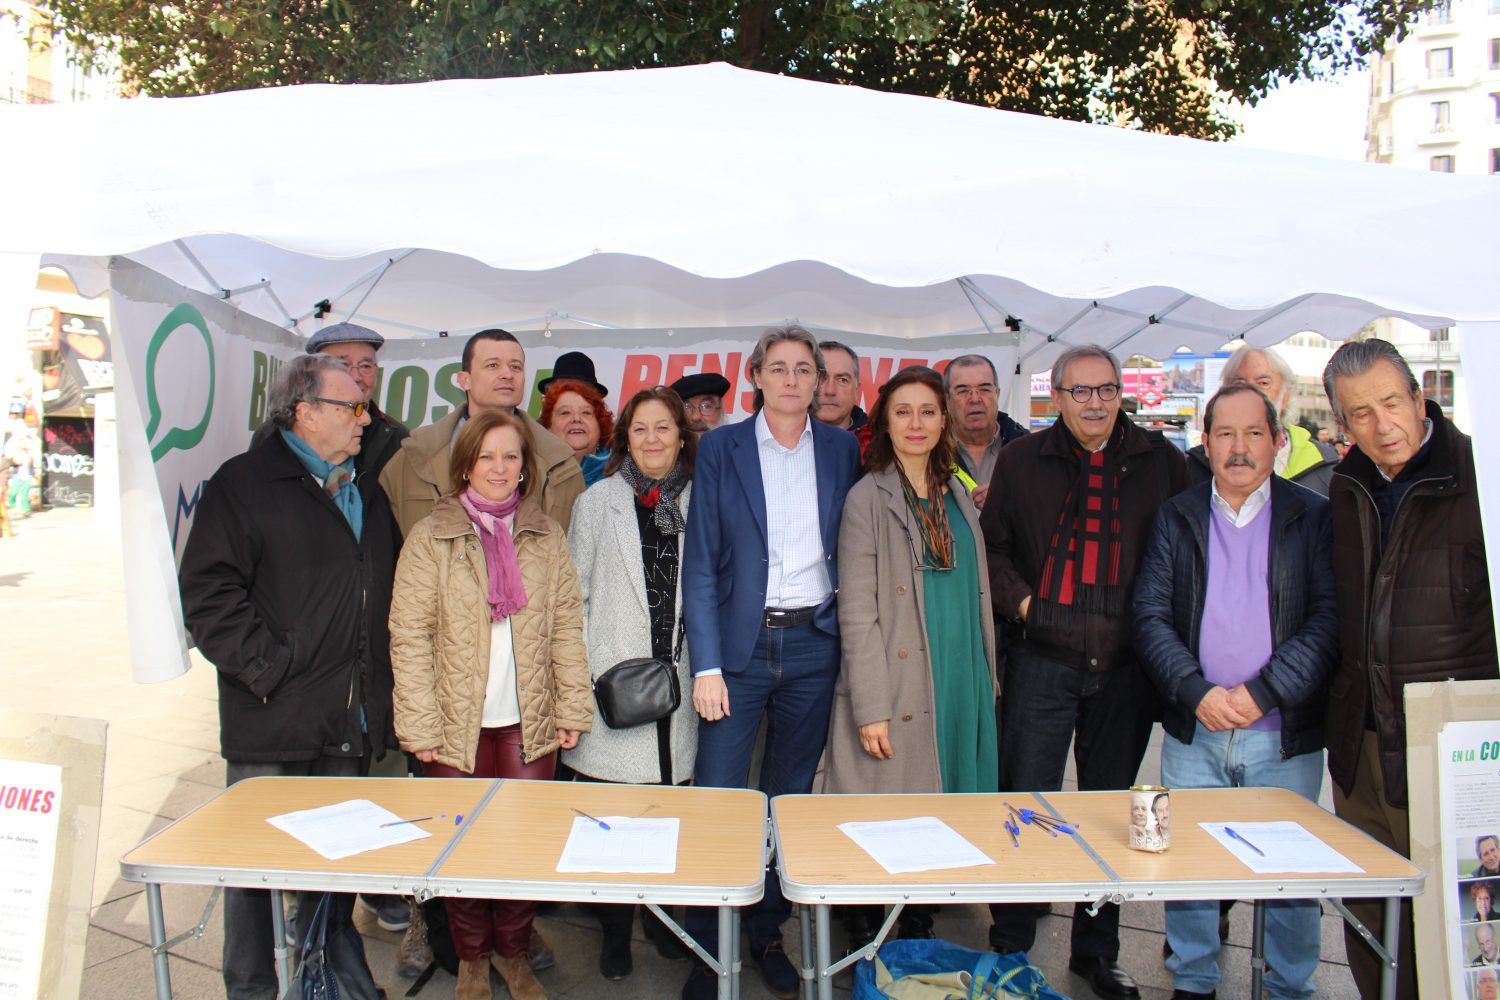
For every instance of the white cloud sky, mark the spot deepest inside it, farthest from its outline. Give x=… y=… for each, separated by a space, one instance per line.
x=1324 y=118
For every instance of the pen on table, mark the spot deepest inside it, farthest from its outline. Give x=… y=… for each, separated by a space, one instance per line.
x=1014 y=831
x=602 y=825
x=1230 y=830
x=419 y=819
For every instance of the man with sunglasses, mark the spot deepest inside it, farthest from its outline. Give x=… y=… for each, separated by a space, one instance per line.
x=356 y=346
x=1065 y=526
x=286 y=588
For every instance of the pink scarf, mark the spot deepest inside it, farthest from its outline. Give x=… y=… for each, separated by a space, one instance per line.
x=507 y=592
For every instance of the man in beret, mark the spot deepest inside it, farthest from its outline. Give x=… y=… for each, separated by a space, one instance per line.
x=356 y=346
x=703 y=395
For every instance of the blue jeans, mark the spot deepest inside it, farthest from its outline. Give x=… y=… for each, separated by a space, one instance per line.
x=1241 y=758
x=790 y=681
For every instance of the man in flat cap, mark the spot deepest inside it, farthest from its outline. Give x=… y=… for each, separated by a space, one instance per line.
x=356 y=346
x=703 y=395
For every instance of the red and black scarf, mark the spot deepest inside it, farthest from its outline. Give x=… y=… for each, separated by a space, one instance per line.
x=1082 y=569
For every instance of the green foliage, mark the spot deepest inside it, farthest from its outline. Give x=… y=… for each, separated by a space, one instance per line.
x=1152 y=64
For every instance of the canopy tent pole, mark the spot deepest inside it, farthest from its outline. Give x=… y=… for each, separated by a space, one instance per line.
x=214 y=287
x=373 y=275
x=1148 y=320
x=375 y=280
x=1270 y=314
x=1058 y=336
x=1162 y=318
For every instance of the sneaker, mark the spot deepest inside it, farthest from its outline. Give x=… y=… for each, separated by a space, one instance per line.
x=776 y=969
x=392 y=913
x=539 y=953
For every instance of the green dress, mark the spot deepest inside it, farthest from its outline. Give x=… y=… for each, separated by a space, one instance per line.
x=963 y=696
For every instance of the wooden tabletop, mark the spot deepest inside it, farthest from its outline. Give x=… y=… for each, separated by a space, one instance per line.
x=520 y=836
x=1196 y=857
x=229 y=834
x=820 y=863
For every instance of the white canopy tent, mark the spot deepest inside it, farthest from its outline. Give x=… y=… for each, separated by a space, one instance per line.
x=711 y=196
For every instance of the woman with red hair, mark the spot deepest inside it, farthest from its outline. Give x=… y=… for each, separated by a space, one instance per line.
x=573 y=409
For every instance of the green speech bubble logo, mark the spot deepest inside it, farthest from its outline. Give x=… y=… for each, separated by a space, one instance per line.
x=177 y=437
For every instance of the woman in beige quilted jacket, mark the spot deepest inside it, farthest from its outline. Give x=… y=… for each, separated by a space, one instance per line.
x=491 y=677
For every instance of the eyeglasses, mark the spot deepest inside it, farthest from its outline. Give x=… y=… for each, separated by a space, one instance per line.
x=363 y=367
x=1083 y=393
x=801 y=372
x=982 y=389
x=709 y=405
x=358 y=408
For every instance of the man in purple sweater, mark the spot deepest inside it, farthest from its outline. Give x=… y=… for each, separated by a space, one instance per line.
x=1235 y=621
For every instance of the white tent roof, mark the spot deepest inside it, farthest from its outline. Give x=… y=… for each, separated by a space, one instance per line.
x=710 y=195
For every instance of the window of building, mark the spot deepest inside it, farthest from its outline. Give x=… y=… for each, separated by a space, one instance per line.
x=1441 y=164
x=1495 y=108
x=1437 y=385
x=1441 y=12
x=1439 y=63
x=1440 y=336
x=1495 y=161
x=1390 y=76
x=1495 y=53
x=1440 y=115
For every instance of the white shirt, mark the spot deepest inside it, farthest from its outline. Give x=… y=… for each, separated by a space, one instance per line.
x=797 y=573
x=502 y=706
x=1253 y=505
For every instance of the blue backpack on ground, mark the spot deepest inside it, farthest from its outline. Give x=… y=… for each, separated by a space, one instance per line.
x=938 y=969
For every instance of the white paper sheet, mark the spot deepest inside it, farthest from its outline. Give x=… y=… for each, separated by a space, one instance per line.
x=1288 y=847
x=919 y=844
x=347 y=828
x=30 y=804
x=639 y=846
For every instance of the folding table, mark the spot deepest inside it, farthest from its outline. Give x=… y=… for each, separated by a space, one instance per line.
x=507 y=847
x=821 y=867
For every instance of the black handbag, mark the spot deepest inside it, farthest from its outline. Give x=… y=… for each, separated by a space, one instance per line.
x=635 y=692
x=332 y=964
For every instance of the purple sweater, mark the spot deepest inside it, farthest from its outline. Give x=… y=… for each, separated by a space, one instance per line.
x=1235 y=640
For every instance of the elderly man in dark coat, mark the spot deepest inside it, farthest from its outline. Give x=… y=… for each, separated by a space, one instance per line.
x=286 y=586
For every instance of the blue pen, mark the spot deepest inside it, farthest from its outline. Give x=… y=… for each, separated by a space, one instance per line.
x=594 y=819
x=1230 y=830
x=1014 y=832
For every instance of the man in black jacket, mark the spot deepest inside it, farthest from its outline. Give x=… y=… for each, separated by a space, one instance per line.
x=356 y=346
x=1413 y=598
x=286 y=587
x=1247 y=559
x=1065 y=524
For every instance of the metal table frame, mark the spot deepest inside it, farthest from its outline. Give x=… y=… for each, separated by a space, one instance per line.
x=727 y=900
x=819 y=966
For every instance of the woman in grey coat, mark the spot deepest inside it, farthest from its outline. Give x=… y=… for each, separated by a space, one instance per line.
x=626 y=541
x=914 y=709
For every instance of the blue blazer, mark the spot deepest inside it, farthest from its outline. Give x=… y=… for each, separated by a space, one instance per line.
x=725 y=554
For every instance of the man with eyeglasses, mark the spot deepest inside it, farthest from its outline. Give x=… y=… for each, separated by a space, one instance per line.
x=1070 y=510
x=1301 y=458
x=356 y=346
x=759 y=586
x=286 y=587
x=978 y=423
x=703 y=395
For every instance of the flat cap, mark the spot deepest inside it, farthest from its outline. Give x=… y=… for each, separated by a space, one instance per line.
x=701 y=384
x=343 y=333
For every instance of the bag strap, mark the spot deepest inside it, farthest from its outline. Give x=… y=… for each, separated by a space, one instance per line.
x=986 y=969
x=681 y=634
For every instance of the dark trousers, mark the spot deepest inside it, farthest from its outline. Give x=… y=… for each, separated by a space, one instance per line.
x=790 y=682
x=1366 y=808
x=249 y=966
x=493 y=926
x=1108 y=716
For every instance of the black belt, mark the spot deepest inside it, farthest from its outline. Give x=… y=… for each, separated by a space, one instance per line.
x=789 y=617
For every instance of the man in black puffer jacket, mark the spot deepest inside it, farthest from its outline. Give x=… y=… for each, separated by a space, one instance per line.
x=1245 y=562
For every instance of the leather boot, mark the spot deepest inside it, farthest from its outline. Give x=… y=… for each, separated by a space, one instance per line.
x=473 y=979
x=519 y=978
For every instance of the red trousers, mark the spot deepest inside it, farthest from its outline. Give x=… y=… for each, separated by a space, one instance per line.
x=500 y=926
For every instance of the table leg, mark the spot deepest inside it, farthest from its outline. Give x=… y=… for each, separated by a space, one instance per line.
x=822 y=930
x=1258 y=950
x=278 y=944
x=1390 y=937
x=726 y=952
x=809 y=972
x=734 y=972
x=158 y=926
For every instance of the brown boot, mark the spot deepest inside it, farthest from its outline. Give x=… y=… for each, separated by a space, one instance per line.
x=473 y=979
x=518 y=977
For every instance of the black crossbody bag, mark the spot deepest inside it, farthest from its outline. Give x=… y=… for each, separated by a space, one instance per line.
x=635 y=692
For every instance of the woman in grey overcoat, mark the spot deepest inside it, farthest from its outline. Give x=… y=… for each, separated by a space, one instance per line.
x=626 y=540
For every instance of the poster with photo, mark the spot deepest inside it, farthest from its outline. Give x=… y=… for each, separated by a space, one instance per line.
x=1469 y=794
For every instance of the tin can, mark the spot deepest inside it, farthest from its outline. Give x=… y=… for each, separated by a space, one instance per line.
x=1150 y=818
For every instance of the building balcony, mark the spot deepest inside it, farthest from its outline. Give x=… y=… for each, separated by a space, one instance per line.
x=1430 y=352
x=1439 y=135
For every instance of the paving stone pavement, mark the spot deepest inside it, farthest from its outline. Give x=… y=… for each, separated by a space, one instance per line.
x=162 y=760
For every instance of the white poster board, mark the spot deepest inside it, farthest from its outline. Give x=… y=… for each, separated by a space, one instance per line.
x=1468 y=875
x=30 y=802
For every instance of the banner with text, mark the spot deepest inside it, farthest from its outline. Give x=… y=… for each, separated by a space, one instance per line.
x=193 y=375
